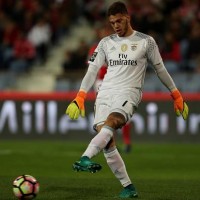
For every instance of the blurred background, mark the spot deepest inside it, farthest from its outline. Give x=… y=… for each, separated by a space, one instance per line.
x=44 y=44
x=44 y=48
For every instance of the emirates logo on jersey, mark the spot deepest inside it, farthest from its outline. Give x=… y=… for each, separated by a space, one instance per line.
x=124 y=47
x=133 y=47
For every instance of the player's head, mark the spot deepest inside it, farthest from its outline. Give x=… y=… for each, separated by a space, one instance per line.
x=119 y=18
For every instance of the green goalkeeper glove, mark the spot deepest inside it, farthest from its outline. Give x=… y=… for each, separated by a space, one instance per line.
x=180 y=107
x=76 y=107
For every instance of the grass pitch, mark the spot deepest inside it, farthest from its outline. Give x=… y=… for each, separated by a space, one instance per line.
x=159 y=171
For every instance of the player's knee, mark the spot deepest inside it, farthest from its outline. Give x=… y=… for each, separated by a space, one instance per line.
x=99 y=127
x=110 y=144
x=115 y=120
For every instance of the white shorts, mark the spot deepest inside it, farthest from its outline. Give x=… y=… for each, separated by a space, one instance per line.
x=124 y=102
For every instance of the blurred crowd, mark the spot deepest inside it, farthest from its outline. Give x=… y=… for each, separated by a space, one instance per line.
x=30 y=28
x=175 y=25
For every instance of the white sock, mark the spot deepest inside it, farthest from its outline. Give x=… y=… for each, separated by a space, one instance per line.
x=99 y=142
x=117 y=166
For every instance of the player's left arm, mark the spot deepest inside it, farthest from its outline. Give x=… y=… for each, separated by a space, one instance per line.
x=180 y=106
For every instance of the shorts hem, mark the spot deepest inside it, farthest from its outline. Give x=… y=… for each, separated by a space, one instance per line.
x=97 y=124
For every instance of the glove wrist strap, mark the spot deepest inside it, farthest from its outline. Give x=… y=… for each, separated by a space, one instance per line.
x=82 y=94
x=176 y=94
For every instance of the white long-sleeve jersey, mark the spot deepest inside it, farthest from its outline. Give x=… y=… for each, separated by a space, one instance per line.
x=127 y=59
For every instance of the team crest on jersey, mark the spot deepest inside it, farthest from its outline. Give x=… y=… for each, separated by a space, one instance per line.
x=94 y=55
x=124 y=47
x=133 y=47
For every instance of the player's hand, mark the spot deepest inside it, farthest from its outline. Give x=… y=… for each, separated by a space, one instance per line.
x=76 y=107
x=180 y=107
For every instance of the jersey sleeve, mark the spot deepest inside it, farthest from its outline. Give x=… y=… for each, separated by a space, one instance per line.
x=89 y=78
x=98 y=57
x=96 y=61
x=153 y=54
x=154 y=57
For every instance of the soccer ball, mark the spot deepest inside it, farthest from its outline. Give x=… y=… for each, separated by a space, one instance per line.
x=25 y=187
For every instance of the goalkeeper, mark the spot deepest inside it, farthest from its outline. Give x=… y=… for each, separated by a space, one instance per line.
x=127 y=53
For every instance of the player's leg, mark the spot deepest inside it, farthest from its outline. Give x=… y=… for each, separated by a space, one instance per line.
x=125 y=105
x=114 y=121
x=117 y=166
x=98 y=143
x=122 y=111
x=126 y=137
x=102 y=108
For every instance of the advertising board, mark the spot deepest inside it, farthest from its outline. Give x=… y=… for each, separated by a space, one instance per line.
x=26 y=115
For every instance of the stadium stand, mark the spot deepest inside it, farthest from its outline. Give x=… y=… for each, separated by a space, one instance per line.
x=62 y=31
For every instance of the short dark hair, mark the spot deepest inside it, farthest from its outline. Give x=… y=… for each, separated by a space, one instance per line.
x=116 y=8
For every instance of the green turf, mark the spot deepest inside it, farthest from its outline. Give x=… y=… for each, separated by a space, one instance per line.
x=159 y=171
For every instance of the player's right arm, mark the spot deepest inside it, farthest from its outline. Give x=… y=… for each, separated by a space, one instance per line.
x=76 y=107
x=153 y=54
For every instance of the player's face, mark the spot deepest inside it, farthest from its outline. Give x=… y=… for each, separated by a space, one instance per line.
x=119 y=23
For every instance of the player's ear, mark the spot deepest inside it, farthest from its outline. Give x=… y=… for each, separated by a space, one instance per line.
x=128 y=18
